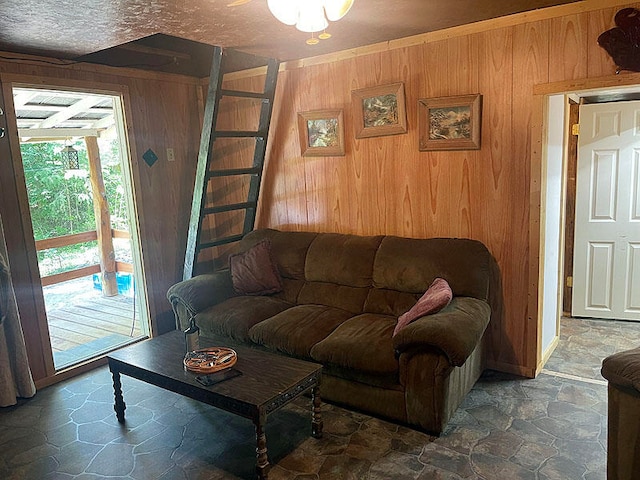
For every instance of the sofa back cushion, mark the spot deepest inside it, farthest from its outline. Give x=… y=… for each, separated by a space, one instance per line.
x=289 y=249
x=374 y=274
x=341 y=259
x=338 y=271
x=389 y=302
x=410 y=265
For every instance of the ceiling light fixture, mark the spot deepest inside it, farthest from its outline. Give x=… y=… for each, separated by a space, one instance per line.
x=310 y=15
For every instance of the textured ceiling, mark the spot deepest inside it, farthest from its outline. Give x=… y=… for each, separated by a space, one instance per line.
x=72 y=28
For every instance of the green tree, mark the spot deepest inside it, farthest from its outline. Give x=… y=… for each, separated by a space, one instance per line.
x=61 y=201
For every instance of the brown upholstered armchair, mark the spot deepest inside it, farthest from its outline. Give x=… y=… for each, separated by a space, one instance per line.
x=622 y=370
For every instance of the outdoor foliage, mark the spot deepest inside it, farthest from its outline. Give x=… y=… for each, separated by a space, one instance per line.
x=61 y=201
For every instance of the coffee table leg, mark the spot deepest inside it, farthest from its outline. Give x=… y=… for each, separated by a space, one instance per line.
x=316 y=413
x=119 y=405
x=262 y=461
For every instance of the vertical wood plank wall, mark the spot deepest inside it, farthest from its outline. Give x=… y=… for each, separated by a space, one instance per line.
x=385 y=185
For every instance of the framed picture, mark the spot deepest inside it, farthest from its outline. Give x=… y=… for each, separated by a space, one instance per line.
x=450 y=123
x=321 y=133
x=379 y=110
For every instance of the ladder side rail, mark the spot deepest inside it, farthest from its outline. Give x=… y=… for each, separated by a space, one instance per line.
x=204 y=159
x=261 y=142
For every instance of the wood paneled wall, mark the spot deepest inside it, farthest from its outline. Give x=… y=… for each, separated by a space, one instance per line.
x=384 y=185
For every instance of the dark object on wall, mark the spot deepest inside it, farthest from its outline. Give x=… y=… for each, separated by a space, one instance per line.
x=150 y=157
x=622 y=42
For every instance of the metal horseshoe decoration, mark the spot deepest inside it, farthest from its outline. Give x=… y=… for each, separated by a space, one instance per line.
x=1 y=128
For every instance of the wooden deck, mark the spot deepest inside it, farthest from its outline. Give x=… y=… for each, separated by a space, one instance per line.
x=83 y=323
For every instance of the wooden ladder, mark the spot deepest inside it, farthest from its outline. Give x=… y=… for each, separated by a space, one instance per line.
x=225 y=61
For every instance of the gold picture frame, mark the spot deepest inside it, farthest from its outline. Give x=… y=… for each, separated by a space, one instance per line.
x=450 y=123
x=379 y=111
x=321 y=133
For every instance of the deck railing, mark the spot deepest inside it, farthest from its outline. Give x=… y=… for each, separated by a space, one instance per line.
x=74 y=239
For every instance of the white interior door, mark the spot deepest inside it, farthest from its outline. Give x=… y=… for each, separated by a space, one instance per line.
x=606 y=272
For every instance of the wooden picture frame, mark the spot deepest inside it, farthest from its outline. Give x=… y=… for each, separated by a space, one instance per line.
x=450 y=123
x=321 y=133
x=379 y=111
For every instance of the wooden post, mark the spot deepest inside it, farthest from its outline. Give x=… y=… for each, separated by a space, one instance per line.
x=103 y=220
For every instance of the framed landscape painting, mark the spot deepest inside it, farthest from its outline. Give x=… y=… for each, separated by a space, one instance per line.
x=321 y=133
x=450 y=123
x=379 y=110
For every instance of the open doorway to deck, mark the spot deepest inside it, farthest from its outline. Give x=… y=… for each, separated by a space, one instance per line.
x=75 y=162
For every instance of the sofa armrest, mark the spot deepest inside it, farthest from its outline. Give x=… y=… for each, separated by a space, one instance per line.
x=456 y=330
x=200 y=292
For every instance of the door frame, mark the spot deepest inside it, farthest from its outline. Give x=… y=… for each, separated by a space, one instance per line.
x=537 y=234
x=22 y=252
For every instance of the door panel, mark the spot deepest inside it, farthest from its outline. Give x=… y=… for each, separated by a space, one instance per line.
x=18 y=238
x=603 y=186
x=632 y=300
x=607 y=228
x=599 y=269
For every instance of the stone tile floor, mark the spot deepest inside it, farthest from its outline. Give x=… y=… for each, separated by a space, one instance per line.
x=551 y=427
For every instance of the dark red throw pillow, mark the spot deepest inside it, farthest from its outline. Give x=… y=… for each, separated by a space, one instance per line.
x=437 y=296
x=253 y=272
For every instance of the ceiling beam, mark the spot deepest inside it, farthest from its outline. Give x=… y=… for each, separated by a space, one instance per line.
x=58 y=133
x=70 y=111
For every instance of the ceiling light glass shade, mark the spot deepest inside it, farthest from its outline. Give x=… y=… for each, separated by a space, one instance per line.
x=285 y=11
x=336 y=9
x=311 y=16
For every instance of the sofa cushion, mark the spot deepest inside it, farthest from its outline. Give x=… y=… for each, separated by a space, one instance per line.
x=344 y=297
x=297 y=329
x=289 y=249
x=341 y=259
x=437 y=296
x=410 y=265
x=389 y=302
x=362 y=343
x=234 y=317
x=253 y=272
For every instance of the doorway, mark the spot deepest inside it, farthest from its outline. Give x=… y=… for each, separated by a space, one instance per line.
x=556 y=279
x=75 y=165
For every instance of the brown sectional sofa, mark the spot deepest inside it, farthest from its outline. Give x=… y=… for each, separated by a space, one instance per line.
x=341 y=297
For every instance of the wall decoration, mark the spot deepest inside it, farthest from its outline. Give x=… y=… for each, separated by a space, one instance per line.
x=321 y=133
x=622 y=42
x=379 y=110
x=150 y=157
x=450 y=123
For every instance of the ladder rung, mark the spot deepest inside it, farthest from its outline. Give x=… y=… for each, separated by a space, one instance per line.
x=229 y=208
x=234 y=171
x=238 y=133
x=220 y=241
x=239 y=93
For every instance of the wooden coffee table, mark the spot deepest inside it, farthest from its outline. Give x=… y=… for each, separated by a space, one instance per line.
x=267 y=383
